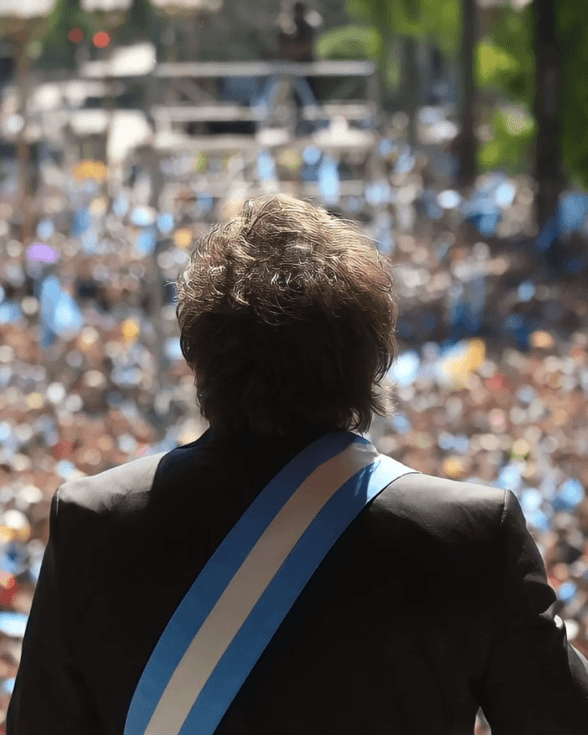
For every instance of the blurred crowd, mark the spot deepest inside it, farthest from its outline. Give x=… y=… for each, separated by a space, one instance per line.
x=491 y=381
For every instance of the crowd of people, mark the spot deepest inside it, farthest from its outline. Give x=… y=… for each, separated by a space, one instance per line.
x=491 y=381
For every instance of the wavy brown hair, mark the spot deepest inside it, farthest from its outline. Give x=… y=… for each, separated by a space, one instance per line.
x=287 y=319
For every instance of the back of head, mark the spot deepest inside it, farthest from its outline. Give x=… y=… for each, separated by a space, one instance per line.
x=287 y=319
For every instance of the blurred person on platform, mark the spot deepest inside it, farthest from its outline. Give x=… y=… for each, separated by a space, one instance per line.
x=435 y=594
x=296 y=40
x=296 y=34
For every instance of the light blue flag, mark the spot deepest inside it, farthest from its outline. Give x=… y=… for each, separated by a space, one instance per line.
x=329 y=182
x=266 y=166
x=60 y=314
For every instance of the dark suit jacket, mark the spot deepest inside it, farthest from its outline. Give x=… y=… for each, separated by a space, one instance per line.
x=434 y=602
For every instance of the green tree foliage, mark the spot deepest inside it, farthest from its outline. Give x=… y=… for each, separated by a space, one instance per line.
x=349 y=42
x=379 y=16
x=506 y=67
x=573 y=30
x=359 y=43
x=58 y=50
x=377 y=23
x=66 y=14
x=512 y=35
x=512 y=141
x=495 y=67
x=417 y=18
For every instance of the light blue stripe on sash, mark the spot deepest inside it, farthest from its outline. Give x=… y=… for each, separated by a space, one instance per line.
x=280 y=595
x=222 y=566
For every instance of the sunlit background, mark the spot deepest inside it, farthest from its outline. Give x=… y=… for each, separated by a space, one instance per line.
x=454 y=131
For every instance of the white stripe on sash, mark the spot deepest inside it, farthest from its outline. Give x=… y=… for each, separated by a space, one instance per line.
x=249 y=583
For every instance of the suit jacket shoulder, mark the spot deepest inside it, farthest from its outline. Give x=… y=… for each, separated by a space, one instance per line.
x=110 y=489
x=445 y=509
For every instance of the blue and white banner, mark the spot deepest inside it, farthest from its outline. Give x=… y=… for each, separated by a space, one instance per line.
x=238 y=601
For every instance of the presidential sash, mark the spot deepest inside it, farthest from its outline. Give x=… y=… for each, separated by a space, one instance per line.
x=238 y=601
